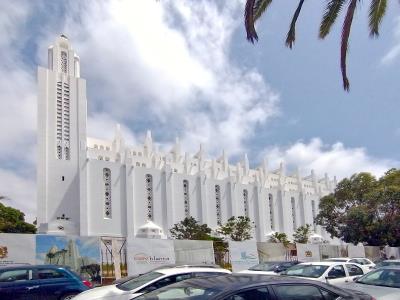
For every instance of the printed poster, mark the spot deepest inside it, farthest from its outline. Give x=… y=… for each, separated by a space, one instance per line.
x=113 y=259
x=243 y=255
x=194 y=252
x=17 y=248
x=355 y=251
x=147 y=254
x=81 y=254
x=272 y=252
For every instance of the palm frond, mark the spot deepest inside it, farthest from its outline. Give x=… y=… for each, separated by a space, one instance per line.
x=260 y=7
x=345 y=42
x=376 y=12
x=332 y=10
x=249 y=21
x=291 y=36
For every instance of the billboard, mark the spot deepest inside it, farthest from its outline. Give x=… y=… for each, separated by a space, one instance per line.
x=17 y=248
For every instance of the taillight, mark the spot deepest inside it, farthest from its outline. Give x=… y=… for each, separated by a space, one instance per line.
x=87 y=283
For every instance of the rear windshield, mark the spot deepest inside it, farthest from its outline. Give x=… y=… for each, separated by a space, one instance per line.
x=265 y=267
x=136 y=282
x=311 y=271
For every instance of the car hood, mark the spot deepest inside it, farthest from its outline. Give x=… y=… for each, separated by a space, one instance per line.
x=379 y=292
x=104 y=292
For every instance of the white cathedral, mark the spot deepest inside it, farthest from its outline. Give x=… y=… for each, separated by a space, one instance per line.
x=92 y=187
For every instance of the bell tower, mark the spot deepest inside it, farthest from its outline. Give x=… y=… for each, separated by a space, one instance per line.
x=61 y=139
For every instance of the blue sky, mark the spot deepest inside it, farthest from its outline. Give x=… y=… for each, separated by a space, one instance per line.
x=184 y=69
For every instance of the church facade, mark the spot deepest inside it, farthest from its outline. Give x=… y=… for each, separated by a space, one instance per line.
x=92 y=187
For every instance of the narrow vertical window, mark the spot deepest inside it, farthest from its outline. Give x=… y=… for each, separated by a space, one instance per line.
x=66 y=120
x=59 y=135
x=313 y=214
x=246 y=202
x=107 y=193
x=186 y=198
x=149 y=193
x=293 y=202
x=271 y=211
x=64 y=62
x=218 y=204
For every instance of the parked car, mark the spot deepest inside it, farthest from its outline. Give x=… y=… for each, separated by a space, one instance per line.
x=365 y=263
x=40 y=282
x=270 y=267
x=126 y=278
x=330 y=272
x=382 y=283
x=148 y=282
x=252 y=287
x=388 y=262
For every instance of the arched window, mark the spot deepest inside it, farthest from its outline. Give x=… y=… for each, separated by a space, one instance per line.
x=313 y=214
x=218 y=204
x=149 y=196
x=186 y=198
x=293 y=202
x=64 y=63
x=107 y=193
x=246 y=202
x=271 y=211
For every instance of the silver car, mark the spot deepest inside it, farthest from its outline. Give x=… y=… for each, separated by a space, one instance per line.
x=382 y=283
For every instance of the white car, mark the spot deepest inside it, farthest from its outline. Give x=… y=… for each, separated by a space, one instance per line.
x=365 y=264
x=329 y=272
x=270 y=267
x=148 y=282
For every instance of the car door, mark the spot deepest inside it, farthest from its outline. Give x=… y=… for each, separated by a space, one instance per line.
x=337 y=275
x=354 y=271
x=53 y=282
x=18 y=284
x=302 y=292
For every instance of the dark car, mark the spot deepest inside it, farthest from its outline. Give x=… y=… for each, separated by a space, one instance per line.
x=40 y=282
x=252 y=287
x=270 y=267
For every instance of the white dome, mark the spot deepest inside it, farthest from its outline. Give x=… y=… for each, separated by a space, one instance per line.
x=270 y=234
x=316 y=239
x=150 y=230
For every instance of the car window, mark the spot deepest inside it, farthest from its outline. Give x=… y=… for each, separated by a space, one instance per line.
x=50 y=274
x=354 y=261
x=382 y=277
x=15 y=275
x=139 y=281
x=298 y=292
x=253 y=294
x=206 y=274
x=312 y=271
x=337 y=272
x=366 y=261
x=354 y=270
x=164 y=282
x=186 y=292
x=329 y=295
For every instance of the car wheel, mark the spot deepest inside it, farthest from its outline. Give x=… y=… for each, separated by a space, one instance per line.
x=68 y=296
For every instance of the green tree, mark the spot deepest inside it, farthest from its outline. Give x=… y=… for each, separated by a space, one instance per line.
x=280 y=237
x=302 y=234
x=237 y=228
x=364 y=210
x=254 y=9
x=13 y=221
x=190 y=229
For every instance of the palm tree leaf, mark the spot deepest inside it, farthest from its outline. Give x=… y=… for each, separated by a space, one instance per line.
x=260 y=7
x=291 y=36
x=345 y=42
x=332 y=10
x=376 y=12
x=249 y=21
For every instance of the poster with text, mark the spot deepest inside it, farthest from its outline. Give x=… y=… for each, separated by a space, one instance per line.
x=80 y=254
x=272 y=252
x=392 y=252
x=308 y=252
x=17 y=248
x=113 y=259
x=194 y=252
x=243 y=255
x=147 y=254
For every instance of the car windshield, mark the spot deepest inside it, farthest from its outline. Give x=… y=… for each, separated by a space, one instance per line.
x=138 y=281
x=336 y=260
x=382 y=277
x=312 y=271
x=264 y=267
x=181 y=292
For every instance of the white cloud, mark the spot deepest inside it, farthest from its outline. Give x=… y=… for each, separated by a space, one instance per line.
x=394 y=52
x=336 y=159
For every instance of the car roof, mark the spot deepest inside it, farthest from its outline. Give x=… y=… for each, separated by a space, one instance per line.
x=391 y=260
x=321 y=263
x=184 y=269
x=238 y=281
x=392 y=267
x=18 y=267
